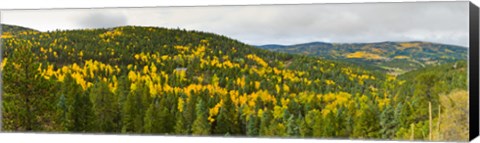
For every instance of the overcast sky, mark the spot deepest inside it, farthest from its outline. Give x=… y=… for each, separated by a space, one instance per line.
x=440 y=22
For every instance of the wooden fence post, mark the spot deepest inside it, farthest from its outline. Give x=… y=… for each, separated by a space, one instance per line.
x=430 y=120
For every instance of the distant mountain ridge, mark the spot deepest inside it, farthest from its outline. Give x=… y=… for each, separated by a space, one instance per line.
x=394 y=57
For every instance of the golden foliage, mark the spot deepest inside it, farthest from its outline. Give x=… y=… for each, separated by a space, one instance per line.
x=6 y=35
x=401 y=57
x=181 y=103
x=214 y=111
x=409 y=45
x=4 y=62
x=454 y=117
x=257 y=59
x=364 y=55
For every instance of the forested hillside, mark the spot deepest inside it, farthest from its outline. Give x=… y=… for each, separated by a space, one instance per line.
x=147 y=80
x=393 y=57
x=9 y=30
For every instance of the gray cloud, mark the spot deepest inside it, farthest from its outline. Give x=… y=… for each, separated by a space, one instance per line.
x=441 y=22
x=102 y=20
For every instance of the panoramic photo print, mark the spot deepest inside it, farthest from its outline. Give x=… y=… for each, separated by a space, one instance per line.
x=381 y=71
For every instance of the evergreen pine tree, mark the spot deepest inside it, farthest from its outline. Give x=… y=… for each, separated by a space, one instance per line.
x=252 y=128
x=104 y=107
x=227 y=119
x=388 y=123
x=201 y=125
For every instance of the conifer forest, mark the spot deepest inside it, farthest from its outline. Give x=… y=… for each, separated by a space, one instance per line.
x=159 y=81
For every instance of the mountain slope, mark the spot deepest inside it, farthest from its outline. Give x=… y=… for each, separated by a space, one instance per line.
x=8 y=31
x=14 y=29
x=435 y=84
x=146 y=66
x=395 y=57
x=148 y=80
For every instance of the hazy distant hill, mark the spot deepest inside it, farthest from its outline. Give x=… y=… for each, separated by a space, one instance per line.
x=396 y=57
x=273 y=46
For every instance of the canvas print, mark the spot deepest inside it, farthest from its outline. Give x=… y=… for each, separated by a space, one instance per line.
x=382 y=71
